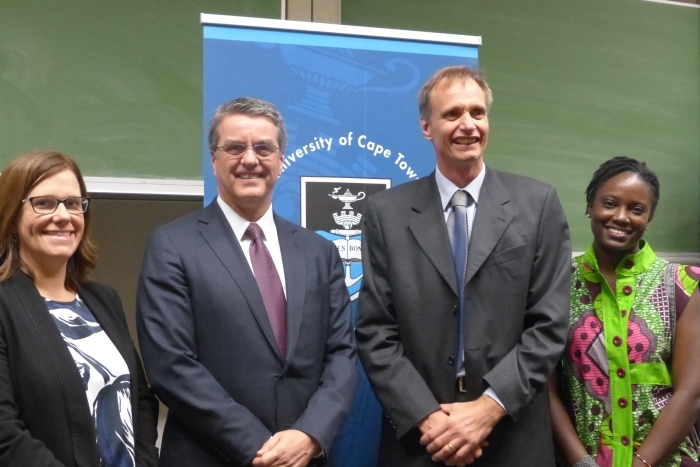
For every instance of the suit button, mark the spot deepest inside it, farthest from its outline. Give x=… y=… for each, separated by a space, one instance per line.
x=625 y=440
x=622 y=402
x=617 y=340
x=455 y=308
x=627 y=290
x=451 y=360
x=621 y=372
x=283 y=377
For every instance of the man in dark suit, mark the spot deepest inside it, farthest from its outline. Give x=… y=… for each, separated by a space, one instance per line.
x=483 y=403
x=244 y=318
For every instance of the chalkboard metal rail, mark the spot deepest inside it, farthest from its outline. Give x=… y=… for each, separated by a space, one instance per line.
x=668 y=2
x=144 y=188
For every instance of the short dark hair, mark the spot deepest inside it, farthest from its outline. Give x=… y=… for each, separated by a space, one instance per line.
x=449 y=74
x=253 y=108
x=16 y=181
x=618 y=165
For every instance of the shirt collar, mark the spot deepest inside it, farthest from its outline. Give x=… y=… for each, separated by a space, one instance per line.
x=632 y=264
x=447 y=188
x=239 y=224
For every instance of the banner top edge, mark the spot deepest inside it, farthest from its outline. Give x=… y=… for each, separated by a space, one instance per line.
x=338 y=29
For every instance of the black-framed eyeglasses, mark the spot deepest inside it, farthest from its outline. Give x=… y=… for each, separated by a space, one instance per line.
x=49 y=204
x=238 y=149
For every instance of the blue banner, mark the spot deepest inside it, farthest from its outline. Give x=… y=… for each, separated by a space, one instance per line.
x=349 y=103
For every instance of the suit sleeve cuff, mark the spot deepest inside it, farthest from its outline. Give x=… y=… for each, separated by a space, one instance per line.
x=492 y=394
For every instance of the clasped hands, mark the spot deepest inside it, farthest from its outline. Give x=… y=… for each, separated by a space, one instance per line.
x=288 y=448
x=456 y=434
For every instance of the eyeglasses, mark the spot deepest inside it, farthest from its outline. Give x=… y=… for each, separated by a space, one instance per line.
x=238 y=149
x=49 y=204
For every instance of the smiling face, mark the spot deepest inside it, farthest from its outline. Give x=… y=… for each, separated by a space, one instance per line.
x=47 y=241
x=245 y=182
x=458 y=128
x=620 y=213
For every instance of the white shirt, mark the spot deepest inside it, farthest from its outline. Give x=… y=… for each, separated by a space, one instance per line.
x=269 y=229
x=447 y=190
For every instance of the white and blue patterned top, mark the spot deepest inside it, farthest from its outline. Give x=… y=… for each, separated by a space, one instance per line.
x=106 y=380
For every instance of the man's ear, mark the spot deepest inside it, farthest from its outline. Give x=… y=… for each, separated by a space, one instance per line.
x=281 y=164
x=425 y=128
x=212 y=154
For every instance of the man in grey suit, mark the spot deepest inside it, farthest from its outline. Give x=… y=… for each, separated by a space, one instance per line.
x=243 y=317
x=460 y=370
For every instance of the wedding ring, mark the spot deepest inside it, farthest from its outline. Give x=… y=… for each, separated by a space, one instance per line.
x=449 y=445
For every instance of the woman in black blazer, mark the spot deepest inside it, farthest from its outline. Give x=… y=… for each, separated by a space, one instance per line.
x=72 y=389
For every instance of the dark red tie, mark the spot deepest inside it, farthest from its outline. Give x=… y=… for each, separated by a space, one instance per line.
x=270 y=286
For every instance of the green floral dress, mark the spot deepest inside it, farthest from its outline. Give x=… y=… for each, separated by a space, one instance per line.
x=617 y=363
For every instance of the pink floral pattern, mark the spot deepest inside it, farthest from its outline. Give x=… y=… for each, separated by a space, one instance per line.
x=583 y=336
x=641 y=342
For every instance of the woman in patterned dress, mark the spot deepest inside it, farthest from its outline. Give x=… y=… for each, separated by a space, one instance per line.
x=628 y=390
x=72 y=389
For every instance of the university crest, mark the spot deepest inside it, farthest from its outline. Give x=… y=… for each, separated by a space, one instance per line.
x=333 y=207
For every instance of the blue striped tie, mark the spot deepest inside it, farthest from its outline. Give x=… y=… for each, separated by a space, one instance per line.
x=458 y=231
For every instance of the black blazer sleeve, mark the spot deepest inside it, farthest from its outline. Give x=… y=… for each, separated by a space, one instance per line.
x=17 y=446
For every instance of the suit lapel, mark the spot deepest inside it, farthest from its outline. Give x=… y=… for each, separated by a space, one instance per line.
x=64 y=364
x=294 y=277
x=218 y=234
x=430 y=230
x=492 y=218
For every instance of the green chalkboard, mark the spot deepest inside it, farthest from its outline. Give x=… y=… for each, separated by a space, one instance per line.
x=576 y=83
x=116 y=84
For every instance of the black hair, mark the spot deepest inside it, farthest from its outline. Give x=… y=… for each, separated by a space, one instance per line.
x=618 y=165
